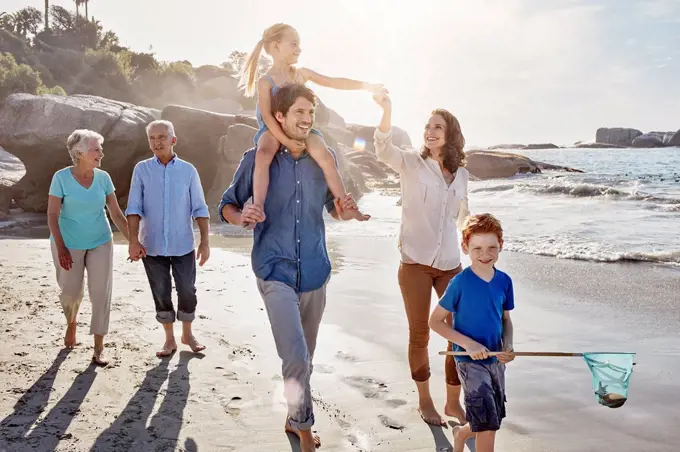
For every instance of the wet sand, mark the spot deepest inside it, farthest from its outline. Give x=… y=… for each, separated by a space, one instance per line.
x=230 y=398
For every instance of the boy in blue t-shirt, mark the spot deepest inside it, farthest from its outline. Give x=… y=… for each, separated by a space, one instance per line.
x=480 y=298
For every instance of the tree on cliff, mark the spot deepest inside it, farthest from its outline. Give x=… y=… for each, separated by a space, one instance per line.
x=21 y=78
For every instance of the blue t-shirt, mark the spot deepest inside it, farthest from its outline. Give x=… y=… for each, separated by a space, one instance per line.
x=477 y=308
x=82 y=220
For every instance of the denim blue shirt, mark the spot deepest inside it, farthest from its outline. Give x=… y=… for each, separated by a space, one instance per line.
x=290 y=245
x=167 y=198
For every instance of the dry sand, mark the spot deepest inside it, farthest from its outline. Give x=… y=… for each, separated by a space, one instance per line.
x=230 y=398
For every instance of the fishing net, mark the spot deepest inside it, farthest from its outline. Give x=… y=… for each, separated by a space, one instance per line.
x=611 y=374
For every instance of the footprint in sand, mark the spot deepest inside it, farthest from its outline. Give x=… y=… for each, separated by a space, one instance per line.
x=390 y=423
x=369 y=387
x=395 y=403
x=346 y=357
x=323 y=369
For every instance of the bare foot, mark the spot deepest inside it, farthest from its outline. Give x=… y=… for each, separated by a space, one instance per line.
x=357 y=215
x=429 y=414
x=460 y=435
x=70 y=336
x=308 y=440
x=457 y=411
x=168 y=349
x=98 y=358
x=193 y=343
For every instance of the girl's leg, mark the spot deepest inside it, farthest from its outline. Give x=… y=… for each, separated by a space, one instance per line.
x=320 y=153
x=267 y=147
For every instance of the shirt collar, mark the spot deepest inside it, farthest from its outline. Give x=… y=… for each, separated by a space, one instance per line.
x=172 y=160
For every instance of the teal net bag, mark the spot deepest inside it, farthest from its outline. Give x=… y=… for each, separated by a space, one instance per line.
x=611 y=374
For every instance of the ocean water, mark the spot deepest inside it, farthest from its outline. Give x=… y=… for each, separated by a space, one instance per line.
x=624 y=207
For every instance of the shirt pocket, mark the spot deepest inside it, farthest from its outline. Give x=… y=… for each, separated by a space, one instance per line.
x=453 y=202
x=429 y=191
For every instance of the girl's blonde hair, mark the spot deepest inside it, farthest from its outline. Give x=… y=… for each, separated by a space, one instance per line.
x=269 y=36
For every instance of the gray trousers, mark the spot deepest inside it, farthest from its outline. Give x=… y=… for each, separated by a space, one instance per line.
x=295 y=319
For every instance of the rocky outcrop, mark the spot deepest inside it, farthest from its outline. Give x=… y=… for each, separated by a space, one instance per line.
x=492 y=164
x=618 y=136
x=591 y=145
x=495 y=165
x=541 y=146
x=198 y=137
x=35 y=129
x=11 y=171
x=674 y=140
x=667 y=138
x=363 y=136
x=231 y=147
x=648 y=140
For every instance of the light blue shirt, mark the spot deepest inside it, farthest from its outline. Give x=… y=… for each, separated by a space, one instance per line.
x=167 y=198
x=82 y=219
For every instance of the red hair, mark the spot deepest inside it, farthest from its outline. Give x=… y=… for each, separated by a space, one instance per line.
x=482 y=224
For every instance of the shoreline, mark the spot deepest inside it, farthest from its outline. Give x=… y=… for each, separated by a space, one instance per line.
x=364 y=397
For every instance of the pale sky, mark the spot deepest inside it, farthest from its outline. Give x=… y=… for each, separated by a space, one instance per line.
x=512 y=71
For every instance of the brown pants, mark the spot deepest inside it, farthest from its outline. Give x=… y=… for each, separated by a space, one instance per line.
x=416 y=282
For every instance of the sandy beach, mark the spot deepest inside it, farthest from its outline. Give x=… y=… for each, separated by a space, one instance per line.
x=230 y=398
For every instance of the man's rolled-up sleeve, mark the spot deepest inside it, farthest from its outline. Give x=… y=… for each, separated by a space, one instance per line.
x=135 y=201
x=241 y=187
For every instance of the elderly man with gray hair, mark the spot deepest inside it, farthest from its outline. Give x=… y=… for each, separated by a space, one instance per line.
x=165 y=196
x=81 y=237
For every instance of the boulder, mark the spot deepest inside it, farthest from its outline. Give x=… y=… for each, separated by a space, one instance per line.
x=674 y=140
x=198 y=137
x=365 y=134
x=541 y=146
x=618 y=135
x=11 y=171
x=594 y=145
x=648 y=140
x=491 y=165
x=35 y=129
x=232 y=146
x=506 y=146
x=340 y=135
x=667 y=138
x=220 y=105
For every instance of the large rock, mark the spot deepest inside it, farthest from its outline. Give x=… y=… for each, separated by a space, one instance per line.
x=618 y=135
x=667 y=138
x=11 y=172
x=674 y=139
x=491 y=165
x=541 y=146
x=364 y=134
x=220 y=105
x=648 y=140
x=232 y=146
x=198 y=137
x=35 y=129
x=594 y=145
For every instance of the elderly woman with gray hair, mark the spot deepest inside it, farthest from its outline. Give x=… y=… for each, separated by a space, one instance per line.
x=81 y=237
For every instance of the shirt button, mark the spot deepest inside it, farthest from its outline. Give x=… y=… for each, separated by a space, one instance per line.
x=298 y=240
x=297 y=221
x=298 y=200
x=298 y=182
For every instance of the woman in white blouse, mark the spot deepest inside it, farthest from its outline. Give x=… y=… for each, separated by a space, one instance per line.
x=434 y=203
